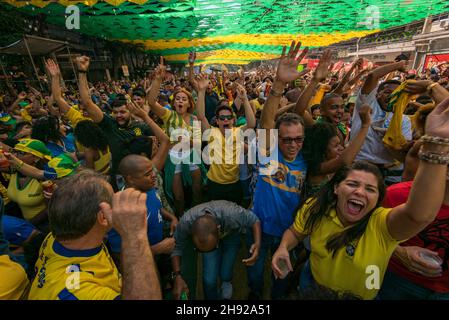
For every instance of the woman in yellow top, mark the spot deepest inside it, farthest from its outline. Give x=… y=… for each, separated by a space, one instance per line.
x=25 y=190
x=183 y=166
x=90 y=139
x=352 y=236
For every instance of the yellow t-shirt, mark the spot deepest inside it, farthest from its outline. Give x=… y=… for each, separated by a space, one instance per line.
x=103 y=164
x=13 y=279
x=30 y=199
x=224 y=156
x=75 y=116
x=66 y=274
x=319 y=95
x=354 y=273
x=257 y=104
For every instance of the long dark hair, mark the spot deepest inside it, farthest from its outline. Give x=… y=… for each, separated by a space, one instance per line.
x=46 y=129
x=326 y=200
x=90 y=135
x=315 y=145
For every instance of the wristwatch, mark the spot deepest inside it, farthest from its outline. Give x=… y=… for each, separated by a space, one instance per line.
x=174 y=274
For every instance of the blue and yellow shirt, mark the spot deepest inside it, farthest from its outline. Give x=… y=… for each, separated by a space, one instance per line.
x=65 y=274
x=278 y=192
x=155 y=223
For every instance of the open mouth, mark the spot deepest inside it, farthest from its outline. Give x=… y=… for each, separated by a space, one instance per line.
x=355 y=206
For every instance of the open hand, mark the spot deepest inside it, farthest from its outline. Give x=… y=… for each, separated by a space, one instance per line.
x=288 y=64
x=201 y=82
x=135 y=110
x=322 y=70
x=52 y=68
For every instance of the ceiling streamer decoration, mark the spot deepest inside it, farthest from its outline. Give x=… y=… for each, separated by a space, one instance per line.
x=232 y=31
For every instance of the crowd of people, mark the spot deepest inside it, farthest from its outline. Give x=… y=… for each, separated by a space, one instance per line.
x=115 y=189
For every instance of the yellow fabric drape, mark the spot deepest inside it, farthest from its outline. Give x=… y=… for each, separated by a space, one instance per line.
x=399 y=100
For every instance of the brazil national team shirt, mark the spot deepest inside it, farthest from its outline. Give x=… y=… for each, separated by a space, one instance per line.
x=277 y=193
x=154 y=226
x=65 y=274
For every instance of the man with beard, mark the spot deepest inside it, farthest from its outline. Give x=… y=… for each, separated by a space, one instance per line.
x=119 y=128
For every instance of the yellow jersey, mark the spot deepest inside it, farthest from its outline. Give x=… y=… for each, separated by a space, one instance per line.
x=30 y=198
x=13 y=279
x=103 y=164
x=224 y=155
x=360 y=267
x=75 y=116
x=65 y=274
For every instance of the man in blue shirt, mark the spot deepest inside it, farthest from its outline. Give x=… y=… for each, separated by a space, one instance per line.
x=281 y=175
x=138 y=173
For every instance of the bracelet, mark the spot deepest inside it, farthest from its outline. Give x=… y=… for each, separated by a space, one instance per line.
x=430 y=86
x=435 y=140
x=81 y=71
x=19 y=166
x=276 y=94
x=432 y=157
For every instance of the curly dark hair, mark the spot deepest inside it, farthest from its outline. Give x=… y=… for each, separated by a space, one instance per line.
x=315 y=145
x=46 y=129
x=90 y=135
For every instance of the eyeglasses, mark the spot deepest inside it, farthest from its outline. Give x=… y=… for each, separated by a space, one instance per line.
x=225 y=117
x=288 y=140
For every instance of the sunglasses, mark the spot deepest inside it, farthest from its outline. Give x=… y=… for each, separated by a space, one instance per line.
x=225 y=117
x=288 y=140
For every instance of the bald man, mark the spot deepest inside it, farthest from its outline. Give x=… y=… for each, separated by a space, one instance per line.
x=138 y=173
x=214 y=228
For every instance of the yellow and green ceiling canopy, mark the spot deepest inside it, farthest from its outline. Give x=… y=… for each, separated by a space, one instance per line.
x=232 y=31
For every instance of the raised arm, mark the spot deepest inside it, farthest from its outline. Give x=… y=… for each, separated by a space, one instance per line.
x=15 y=105
x=345 y=80
x=153 y=93
x=319 y=75
x=372 y=80
x=200 y=84
x=53 y=70
x=24 y=168
x=162 y=152
x=249 y=113
x=427 y=193
x=438 y=92
x=92 y=109
x=351 y=151
x=192 y=57
x=286 y=72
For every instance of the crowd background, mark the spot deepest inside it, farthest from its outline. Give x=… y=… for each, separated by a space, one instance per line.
x=364 y=123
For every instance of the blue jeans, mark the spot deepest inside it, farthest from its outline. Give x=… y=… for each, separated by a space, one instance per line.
x=219 y=263
x=255 y=272
x=395 y=287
